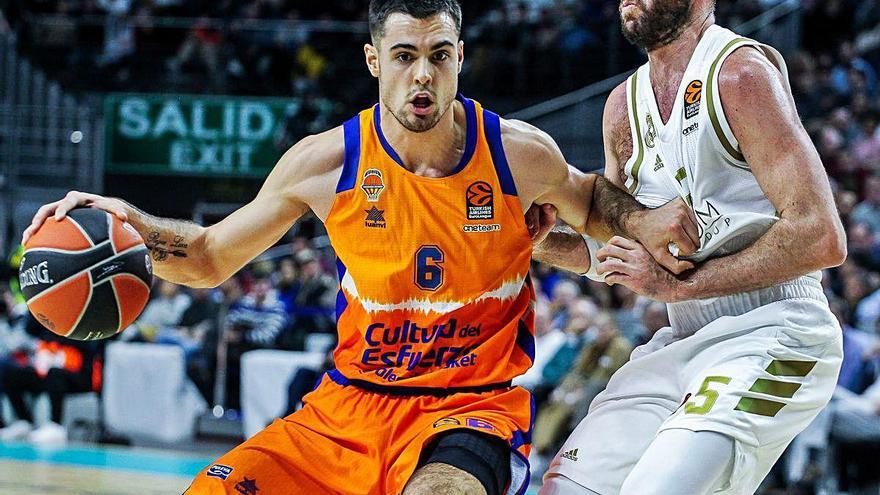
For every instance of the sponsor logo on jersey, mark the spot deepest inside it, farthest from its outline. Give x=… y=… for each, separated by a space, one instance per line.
x=478 y=228
x=478 y=423
x=37 y=274
x=375 y=218
x=446 y=422
x=372 y=184
x=571 y=455
x=692 y=96
x=651 y=132
x=247 y=486
x=659 y=164
x=480 y=201
x=691 y=128
x=219 y=471
x=404 y=345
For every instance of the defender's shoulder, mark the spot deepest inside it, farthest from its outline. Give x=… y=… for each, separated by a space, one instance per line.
x=748 y=71
x=614 y=118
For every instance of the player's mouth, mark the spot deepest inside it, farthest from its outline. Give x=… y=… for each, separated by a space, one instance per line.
x=422 y=104
x=628 y=5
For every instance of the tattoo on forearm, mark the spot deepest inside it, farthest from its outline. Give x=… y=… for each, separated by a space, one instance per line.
x=162 y=249
x=164 y=237
x=613 y=206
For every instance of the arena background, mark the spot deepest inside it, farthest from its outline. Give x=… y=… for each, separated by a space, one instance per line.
x=182 y=107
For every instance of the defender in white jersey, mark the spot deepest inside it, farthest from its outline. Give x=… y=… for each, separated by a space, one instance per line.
x=753 y=351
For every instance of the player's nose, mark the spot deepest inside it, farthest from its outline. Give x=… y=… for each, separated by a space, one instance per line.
x=423 y=72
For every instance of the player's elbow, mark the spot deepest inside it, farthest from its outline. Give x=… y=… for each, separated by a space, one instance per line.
x=832 y=247
x=828 y=248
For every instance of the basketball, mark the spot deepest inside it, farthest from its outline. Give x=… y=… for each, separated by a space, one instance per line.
x=86 y=277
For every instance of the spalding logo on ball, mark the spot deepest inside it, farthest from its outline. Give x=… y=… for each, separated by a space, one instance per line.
x=86 y=277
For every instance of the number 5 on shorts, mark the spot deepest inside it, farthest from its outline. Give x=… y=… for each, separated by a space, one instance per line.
x=709 y=395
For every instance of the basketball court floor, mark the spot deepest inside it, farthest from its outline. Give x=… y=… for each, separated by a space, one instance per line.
x=92 y=470
x=28 y=470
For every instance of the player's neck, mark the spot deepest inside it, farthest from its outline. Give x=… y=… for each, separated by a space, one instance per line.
x=671 y=60
x=433 y=153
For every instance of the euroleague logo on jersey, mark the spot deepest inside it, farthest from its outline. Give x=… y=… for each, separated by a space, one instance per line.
x=692 y=96
x=480 y=201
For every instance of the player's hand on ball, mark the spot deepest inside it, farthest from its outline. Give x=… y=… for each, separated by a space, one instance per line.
x=628 y=263
x=540 y=220
x=74 y=199
x=671 y=224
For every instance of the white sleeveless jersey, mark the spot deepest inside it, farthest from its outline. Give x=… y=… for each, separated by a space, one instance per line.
x=695 y=155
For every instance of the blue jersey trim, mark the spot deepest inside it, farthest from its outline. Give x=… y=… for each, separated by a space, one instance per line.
x=492 y=128
x=341 y=301
x=470 y=146
x=352 y=131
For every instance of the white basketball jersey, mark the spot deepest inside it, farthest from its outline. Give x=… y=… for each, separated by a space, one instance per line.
x=695 y=155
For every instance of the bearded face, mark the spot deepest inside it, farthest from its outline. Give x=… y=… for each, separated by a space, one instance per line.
x=651 y=24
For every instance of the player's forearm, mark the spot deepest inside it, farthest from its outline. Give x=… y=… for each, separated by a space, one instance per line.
x=176 y=248
x=612 y=212
x=790 y=249
x=564 y=248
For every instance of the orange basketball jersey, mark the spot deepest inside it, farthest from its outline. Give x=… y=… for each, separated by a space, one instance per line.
x=434 y=272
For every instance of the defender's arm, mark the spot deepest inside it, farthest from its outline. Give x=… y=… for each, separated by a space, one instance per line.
x=610 y=210
x=808 y=235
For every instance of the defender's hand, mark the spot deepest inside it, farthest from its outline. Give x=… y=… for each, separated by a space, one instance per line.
x=540 y=219
x=74 y=199
x=673 y=223
x=628 y=263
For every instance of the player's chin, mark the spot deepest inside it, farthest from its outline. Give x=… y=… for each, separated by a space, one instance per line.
x=422 y=123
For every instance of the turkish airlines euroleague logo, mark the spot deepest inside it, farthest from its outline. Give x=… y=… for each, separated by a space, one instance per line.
x=692 y=96
x=480 y=201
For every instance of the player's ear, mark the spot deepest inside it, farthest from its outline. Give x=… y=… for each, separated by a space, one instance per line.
x=460 y=54
x=371 y=54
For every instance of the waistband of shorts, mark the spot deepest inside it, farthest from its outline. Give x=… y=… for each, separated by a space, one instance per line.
x=405 y=391
x=687 y=317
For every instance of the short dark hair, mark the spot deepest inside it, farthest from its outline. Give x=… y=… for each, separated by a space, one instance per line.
x=420 y=9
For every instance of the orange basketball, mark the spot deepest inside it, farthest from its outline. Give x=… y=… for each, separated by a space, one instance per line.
x=86 y=277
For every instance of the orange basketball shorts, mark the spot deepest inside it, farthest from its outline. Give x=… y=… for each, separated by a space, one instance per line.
x=347 y=440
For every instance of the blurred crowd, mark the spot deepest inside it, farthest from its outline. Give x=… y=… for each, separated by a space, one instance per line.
x=313 y=49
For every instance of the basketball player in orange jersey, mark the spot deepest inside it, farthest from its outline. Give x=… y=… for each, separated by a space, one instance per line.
x=423 y=198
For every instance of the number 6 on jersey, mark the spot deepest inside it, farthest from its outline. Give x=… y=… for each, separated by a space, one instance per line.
x=429 y=272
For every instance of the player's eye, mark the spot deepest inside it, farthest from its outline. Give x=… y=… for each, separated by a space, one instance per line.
x=441 y=56
x=403 y=57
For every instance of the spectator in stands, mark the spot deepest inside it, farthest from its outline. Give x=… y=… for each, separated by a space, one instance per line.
x=201 y=47
x=548 y=340
x=654 y=318
x=868 y=211
x=254 y=322
x=582 y=314
x=58 y=367
x=864 y=245
x=163 y=311
x=565 y=293
x=859 y=367
x=304 y=381
x=569 y=402
x=312 y=308
x=196 y=333
x=15 y=343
